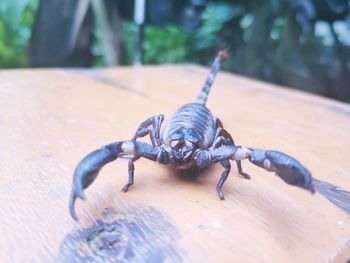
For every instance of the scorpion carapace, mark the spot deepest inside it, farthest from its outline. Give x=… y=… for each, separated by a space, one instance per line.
x=191 y=138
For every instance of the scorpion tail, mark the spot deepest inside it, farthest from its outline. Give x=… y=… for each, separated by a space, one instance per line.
x=215 y=67
x=88 y=169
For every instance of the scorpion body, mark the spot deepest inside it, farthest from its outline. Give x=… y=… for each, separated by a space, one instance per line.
x=192 y=121
x=192 y=124
x=191 y=138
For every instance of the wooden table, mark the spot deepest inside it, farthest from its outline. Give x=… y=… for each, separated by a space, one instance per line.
x=50 y=119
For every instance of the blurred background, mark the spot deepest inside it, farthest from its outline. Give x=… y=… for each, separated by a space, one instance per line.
x=303 y=44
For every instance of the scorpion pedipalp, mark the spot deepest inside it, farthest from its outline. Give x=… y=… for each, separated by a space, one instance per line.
x=286 y=167
x=89 y=167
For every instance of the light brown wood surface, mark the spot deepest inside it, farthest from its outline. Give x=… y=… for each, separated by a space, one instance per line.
x=50 y=119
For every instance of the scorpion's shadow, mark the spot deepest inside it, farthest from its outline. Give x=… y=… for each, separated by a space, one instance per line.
x=192 y=175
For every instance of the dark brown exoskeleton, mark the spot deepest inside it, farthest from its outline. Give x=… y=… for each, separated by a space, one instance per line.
x=192 y=138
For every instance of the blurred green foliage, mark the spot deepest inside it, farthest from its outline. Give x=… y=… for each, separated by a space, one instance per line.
x=294 y=43
x=16 y=19
x=173 y=44
x=168 y=44
x=165 y=45
x=304 y=44
x=207 y=37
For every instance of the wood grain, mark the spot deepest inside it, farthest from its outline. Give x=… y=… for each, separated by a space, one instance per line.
x=50 y=119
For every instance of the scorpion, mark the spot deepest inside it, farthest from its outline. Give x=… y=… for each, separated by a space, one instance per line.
x=192 y=138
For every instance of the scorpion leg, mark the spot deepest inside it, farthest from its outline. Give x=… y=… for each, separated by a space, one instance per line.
x=218 y=142
x=131 y=169
x=222 y=137
x=226 y=164
x=225 y=134
x=150 y=126
x=240 y=170
x=89 y=167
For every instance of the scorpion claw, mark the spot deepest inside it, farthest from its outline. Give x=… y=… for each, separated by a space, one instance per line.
x=286 y=167
x=87 y=171
x=71 y=205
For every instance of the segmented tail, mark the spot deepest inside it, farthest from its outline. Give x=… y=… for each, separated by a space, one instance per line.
x=215 y=67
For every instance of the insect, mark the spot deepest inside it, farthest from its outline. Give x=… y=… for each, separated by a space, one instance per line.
x=191 y=138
